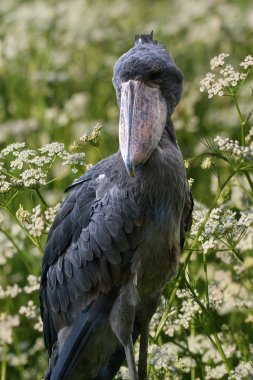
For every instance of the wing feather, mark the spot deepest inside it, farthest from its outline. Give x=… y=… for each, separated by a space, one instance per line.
x=84 y=254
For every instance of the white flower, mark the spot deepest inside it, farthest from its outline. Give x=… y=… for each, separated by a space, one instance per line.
x=190 y=182
x=7 y=322
x=62 y=119
x=206 y=83
x=209 y=244
x=33 y=177
x=5 y=186
x=52 y=149
x=51 y=114
x=215 y=373
x=247 y=62
x=12 y=148
x=22 y=214
x=218 y=60
x=187 y=310
x=187 y=363
x=40 y=160
x=39 y=325
x=215 y=296
x=243 y=371
x=22 y=158
x=75 y=106
x=206 y=163
x=73 y=159
x=219 y=82
x=186 y=164
x=161 y=356
x=51 y=212
x=29 y=311
x=36 y=227
x=11 y=291
x=232 y=146
x=33 y=284
x=17 y=360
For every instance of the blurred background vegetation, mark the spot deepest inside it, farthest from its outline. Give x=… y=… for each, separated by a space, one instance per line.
x=56 y=62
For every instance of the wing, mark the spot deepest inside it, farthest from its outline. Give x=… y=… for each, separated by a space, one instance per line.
x=89 y=250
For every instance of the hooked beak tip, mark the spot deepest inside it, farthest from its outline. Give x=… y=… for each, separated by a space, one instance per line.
x=130 y=167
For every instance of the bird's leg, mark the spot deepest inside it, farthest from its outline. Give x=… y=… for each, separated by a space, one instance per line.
x=129 y=351
x=143 y=352
x=122 y=319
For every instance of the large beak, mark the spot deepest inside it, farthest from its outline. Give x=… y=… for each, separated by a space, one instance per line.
x=143 y=113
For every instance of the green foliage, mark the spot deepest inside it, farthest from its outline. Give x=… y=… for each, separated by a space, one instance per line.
x=56 y=60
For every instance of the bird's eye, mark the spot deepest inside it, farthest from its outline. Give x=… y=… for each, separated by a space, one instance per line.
x=154 y=77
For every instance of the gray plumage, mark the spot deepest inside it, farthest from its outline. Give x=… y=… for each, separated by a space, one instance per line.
x=116 y=242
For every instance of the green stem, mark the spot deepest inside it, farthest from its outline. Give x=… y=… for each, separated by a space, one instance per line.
x=12 y=198
x=39 y=246
x=155 y=377
x=206 y=279
x=249 y=180
x=100 y=155
x=20 y=366
x=9 y=174
x=246 y=191
x=4 y=362
x=21 y=253
x=148 y=369
x=41 y=198
x=10 y=238
x=242 y=119
x=34 y=242
x=192 y=248
x=216 y=341
x=237 y=254
x=193 y=370
x=59 y=177
x=169 y=304
x=221 y=352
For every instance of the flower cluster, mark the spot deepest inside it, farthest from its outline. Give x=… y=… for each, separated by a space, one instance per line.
x=161 y=357
x=21 y=167
x=206 y=163
x=33 y=284
x=51 y=212
x=33 y=177
x=227 y=145
x=247 y=62
x=188 y=309
x=38 y=221
x=223 y=77
x=215 y=373
x=7 y=322
x=218 y=61
x=93 y=138
x=215 y=296
x=36 y=225
x=12 y=291
x=223 y=225
x=243 y=371
x=29 y=311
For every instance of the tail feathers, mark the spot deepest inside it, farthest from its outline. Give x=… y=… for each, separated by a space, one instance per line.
x=108 y=372
x=80 y=335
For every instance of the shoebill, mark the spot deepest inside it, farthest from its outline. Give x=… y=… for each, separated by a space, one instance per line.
x=117 y=238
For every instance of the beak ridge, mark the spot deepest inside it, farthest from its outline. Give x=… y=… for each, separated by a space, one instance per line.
x=143 y=113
